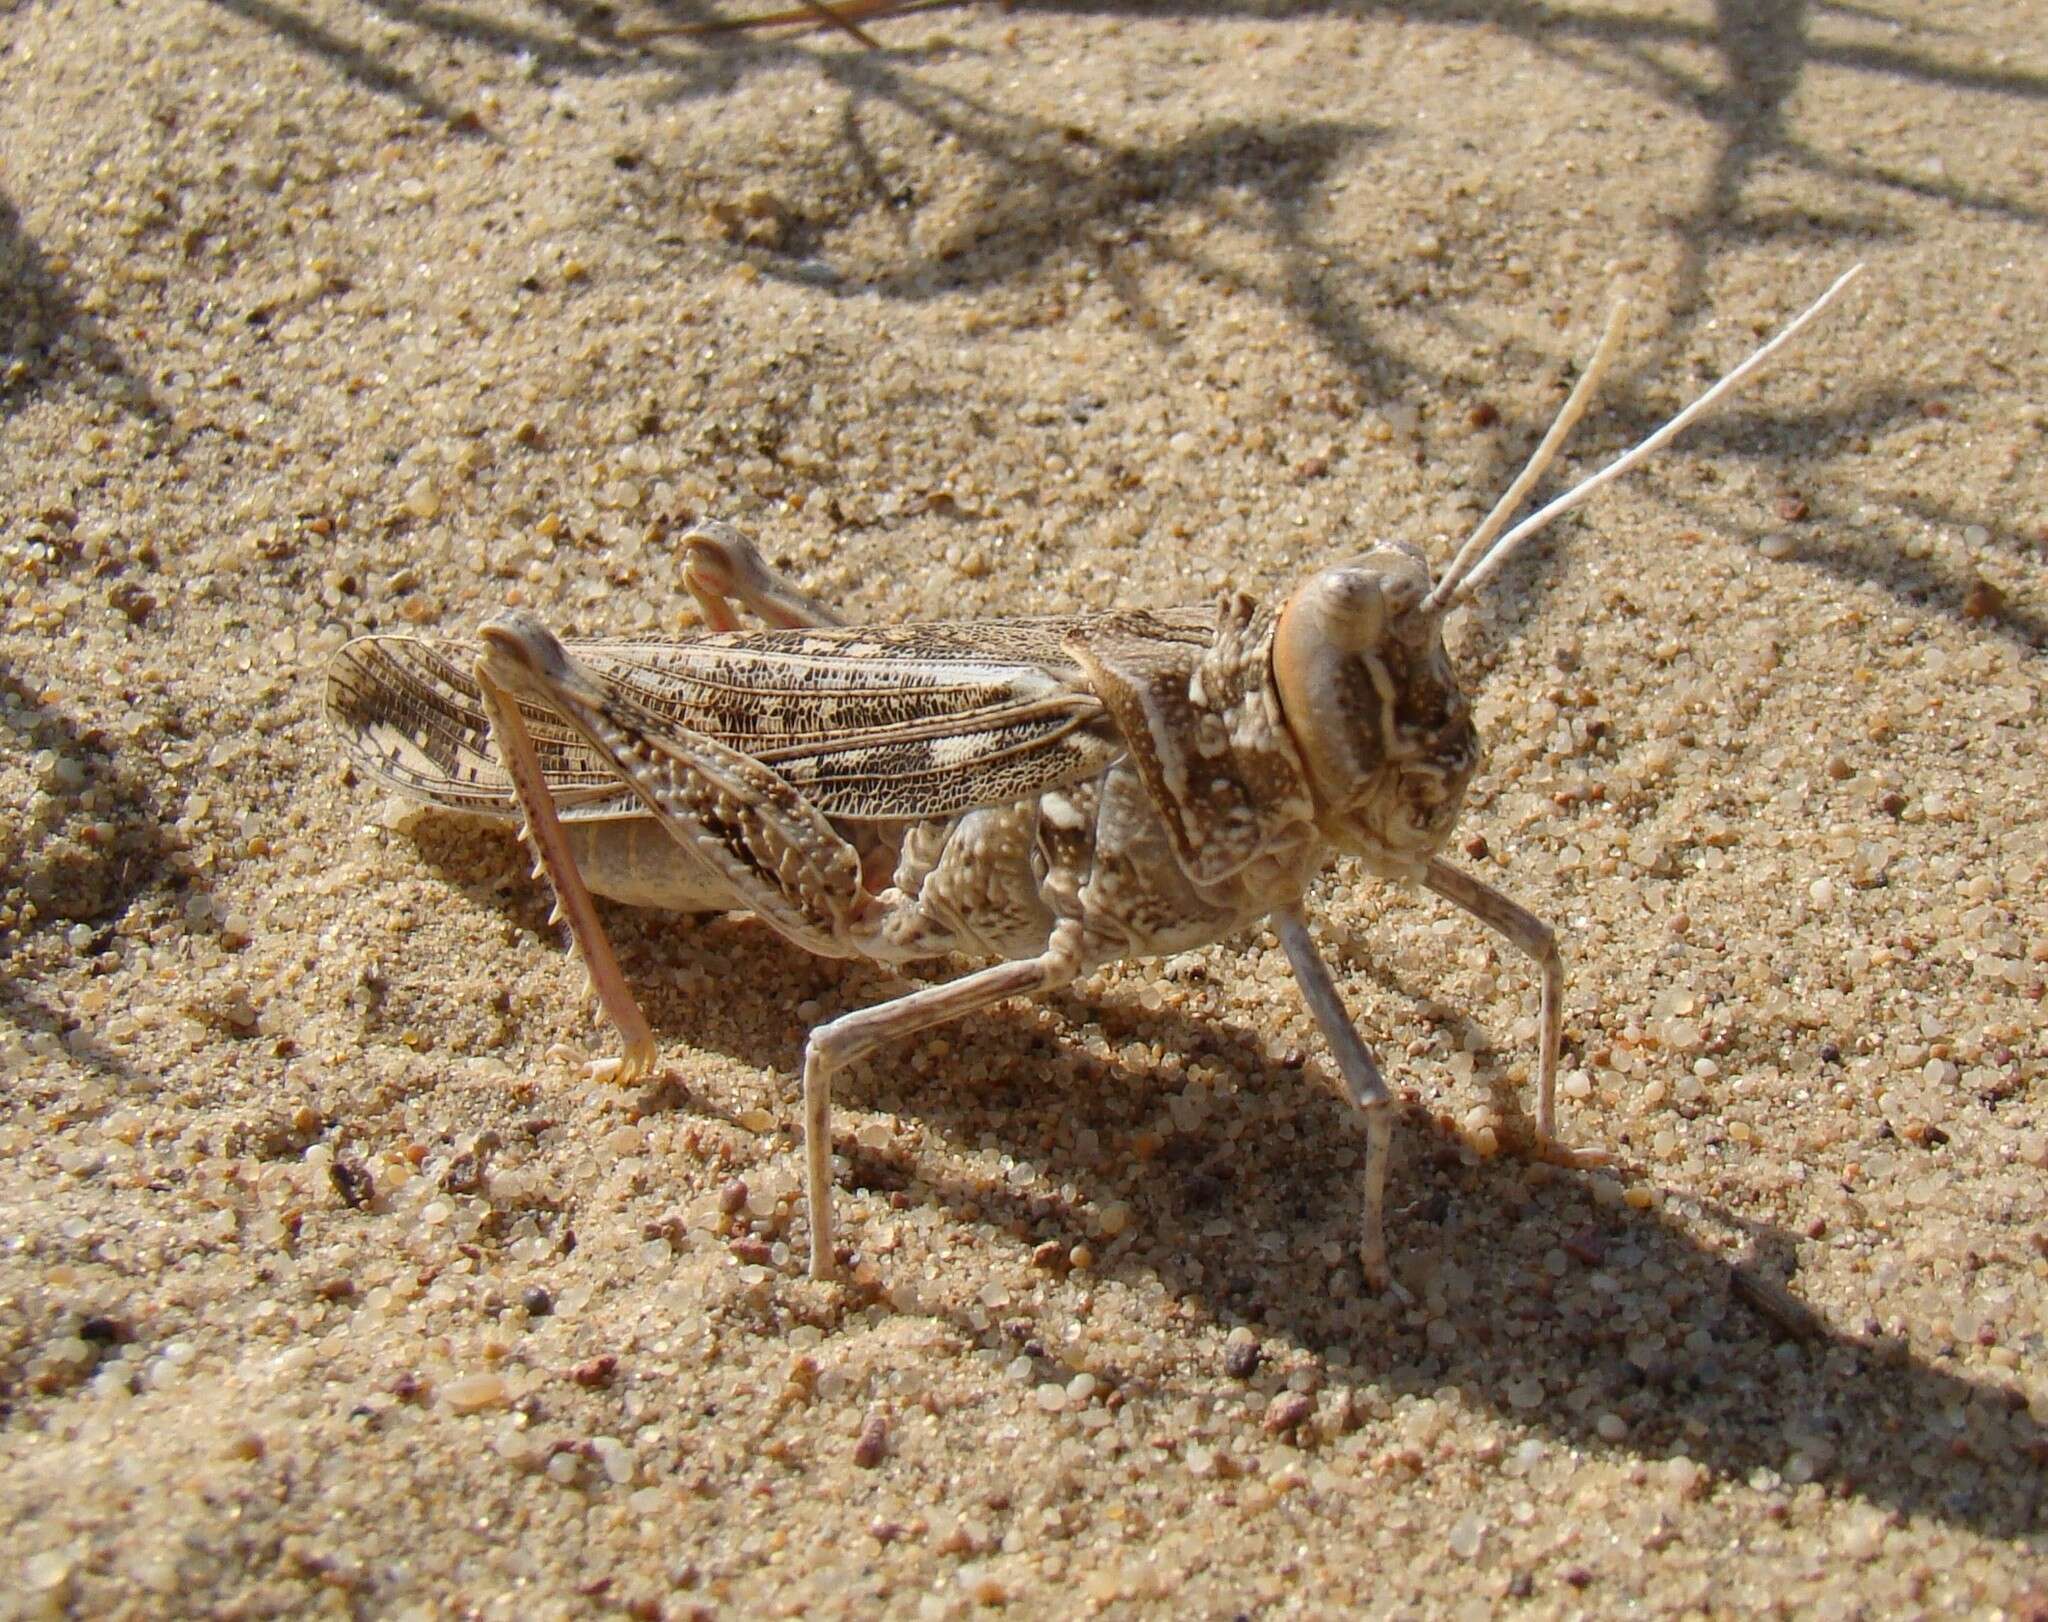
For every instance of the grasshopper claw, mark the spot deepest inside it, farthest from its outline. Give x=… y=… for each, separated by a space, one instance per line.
x=624 y=1069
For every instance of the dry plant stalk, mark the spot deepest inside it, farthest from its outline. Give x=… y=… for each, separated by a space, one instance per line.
x=1043 y=795
x=844 y=15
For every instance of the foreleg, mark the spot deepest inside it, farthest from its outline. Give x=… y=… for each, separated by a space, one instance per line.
x=1363 y=1082
x=1533 y=936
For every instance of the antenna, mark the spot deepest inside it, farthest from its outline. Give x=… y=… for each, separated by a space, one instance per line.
x=1481 y=557
x=1574 y=408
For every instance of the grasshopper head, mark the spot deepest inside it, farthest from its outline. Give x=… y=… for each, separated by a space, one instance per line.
x=1375 y=708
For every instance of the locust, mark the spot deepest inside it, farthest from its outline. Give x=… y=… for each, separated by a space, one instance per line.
x=1036 y=795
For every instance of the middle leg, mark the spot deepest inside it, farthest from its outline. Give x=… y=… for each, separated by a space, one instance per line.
x=724 y=566
x=834 y=1046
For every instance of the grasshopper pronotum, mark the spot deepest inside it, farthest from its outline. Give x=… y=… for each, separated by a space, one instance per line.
x=1042 y=794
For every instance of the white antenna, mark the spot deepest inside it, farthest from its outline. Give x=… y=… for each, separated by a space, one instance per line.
x=1574 y=408
x=1463 y=578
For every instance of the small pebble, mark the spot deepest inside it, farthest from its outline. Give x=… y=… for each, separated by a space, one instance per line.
x=872 y=1446
x=982 y=1586
x=1241 y=1354
x=473 y=1393
x=1982 y=601
x=1863 y=1535
x=1288 y=1412
x=48 y=1572
x=1685 y=1477
x=615 y=1458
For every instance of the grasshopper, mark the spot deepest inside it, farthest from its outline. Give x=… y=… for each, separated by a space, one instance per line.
x=1043 y=795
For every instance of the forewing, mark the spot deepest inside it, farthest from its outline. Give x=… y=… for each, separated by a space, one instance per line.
x=879 y=723
x=406 y=712
x=882 y=723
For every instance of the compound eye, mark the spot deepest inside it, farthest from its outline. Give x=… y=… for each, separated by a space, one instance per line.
x=1403 y=579
x=1346 y=607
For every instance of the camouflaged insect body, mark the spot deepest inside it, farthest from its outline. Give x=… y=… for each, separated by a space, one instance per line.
x=909 y=792
x=1044 y=793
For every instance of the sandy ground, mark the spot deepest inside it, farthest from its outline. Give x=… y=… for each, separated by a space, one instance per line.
x=329 y=1286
